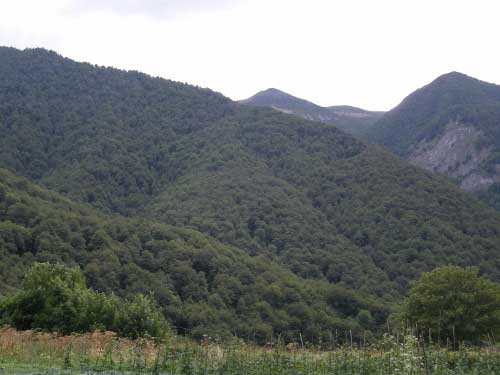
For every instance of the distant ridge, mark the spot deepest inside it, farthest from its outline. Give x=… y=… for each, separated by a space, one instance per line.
x=351 y=119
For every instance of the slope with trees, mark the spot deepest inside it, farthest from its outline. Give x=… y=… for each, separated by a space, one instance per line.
x=451 y=126
x=203 y=286
x=299 y=219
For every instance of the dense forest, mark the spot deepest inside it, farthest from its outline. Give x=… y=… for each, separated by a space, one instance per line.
x=203 y=286
x=241 y=220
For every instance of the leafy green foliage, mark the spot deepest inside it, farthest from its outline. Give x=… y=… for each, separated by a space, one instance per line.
x=454 y=304
x=56 y=298
x=203 y=286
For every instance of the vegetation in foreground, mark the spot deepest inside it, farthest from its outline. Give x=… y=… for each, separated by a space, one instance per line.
x=454 y=303
x=449 y=300
x=35 y=352
x=54 y=297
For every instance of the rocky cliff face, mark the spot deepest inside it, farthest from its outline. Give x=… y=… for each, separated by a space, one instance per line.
x=458 y=154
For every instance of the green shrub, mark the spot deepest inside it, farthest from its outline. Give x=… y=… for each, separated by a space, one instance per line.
x=55 y=297
x=454 y=303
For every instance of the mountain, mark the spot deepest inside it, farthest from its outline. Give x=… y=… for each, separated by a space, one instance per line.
x=351 y=119
x=205 y=287
x=451 y=126
x=232 y=214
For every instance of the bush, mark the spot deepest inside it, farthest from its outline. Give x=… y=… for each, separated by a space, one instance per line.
x=55 y=297
x=454 y=303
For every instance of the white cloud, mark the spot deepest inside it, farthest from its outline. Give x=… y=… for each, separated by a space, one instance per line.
x=151 y=8
x=359 y=52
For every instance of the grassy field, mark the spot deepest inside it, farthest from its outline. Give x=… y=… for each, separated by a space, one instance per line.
x=42 y=353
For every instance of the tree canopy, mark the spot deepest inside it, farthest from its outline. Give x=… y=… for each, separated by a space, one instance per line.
x=201 y=285
x=455 y=304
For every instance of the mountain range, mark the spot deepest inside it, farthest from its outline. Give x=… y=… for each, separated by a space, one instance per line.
x=450 y=127
x=351 y=119
x=242 y=220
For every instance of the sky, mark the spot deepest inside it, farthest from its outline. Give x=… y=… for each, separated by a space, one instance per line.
x=364 y=53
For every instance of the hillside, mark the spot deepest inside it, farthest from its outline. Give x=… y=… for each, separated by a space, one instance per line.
x=203 y=285
x=99 y=135
x=351 y=119
x=305 y=222
x=451 y=126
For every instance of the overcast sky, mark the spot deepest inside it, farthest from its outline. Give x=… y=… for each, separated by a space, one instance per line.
x=368 y=53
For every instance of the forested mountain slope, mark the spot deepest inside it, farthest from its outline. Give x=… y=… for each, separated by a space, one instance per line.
x=97 y=134
x=301 y=195
x=351 y=119
x=451 y=126
x=203 y=285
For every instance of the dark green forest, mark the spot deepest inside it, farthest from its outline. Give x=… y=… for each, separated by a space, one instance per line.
x=241 y=221
x=203 y=286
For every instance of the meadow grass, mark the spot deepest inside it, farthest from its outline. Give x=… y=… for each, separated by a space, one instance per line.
x=44 y=353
